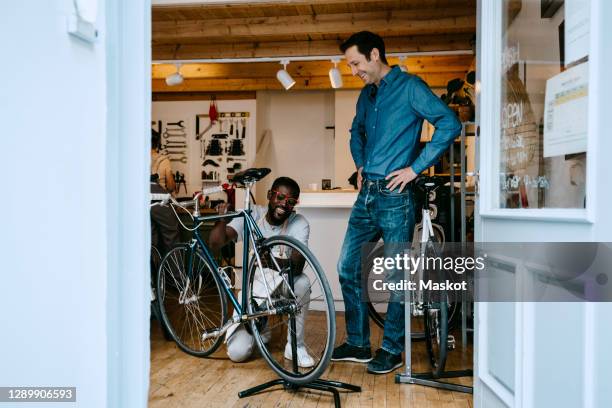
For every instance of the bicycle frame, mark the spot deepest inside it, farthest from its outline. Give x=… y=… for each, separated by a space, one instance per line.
x=251 y=235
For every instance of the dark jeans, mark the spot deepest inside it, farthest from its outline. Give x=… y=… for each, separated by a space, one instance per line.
x=377 y=212
x=164 y=225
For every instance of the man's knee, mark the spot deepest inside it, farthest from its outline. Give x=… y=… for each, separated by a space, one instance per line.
x=347 y=271
x=240 y=345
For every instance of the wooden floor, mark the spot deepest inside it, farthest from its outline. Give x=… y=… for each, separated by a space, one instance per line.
x=179 y=380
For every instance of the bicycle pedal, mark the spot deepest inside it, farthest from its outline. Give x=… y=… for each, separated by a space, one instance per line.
x=417 y=309
x=213 y=334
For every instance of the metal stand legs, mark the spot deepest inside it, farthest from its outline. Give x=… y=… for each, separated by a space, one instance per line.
x=321 y=385
x=426 y=379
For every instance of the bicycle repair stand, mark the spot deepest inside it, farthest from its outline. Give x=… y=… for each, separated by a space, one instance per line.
x=321 y=385
x=426 y=379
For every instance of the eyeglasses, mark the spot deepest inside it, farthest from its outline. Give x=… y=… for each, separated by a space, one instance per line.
x=285 y=197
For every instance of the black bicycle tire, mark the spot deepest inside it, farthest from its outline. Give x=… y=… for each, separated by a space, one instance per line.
x=155 y=303
x=372 y=312
x=437 y=363
x=325 y=360
x=164 y=315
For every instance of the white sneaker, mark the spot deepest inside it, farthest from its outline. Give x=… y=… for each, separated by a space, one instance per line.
x=304 y=359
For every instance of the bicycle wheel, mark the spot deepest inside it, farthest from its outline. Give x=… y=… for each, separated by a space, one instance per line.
x=436 y=335
x=155 y=262
x=435 y=313
x=377 y=305
x=306 y=314
x=191 y=300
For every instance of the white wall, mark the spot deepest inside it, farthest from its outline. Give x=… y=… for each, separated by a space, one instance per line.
x=297 y=145
x=54 y=226
x=344 y=166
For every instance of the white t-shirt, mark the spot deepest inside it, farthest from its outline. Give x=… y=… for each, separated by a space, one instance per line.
x=295 y=226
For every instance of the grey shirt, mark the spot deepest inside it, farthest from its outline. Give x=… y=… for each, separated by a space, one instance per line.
x=295 y=226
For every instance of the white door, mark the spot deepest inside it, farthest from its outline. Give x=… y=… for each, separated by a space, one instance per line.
x=545 y=145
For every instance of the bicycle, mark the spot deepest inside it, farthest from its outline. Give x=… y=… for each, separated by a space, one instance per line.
x=438 y=314
x=193 y=291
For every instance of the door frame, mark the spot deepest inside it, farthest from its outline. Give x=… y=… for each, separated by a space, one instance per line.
x=127 y=37
x=488 y=117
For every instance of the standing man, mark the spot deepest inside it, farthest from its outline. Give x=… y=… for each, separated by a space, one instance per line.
x=384 y=144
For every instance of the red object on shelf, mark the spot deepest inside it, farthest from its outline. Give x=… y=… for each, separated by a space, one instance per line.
x=213 y=114
x=231 y=195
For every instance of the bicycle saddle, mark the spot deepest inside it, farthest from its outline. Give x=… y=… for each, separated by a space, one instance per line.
x=250 y=175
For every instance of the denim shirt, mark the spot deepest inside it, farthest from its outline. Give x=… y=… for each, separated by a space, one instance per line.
x=386 y=130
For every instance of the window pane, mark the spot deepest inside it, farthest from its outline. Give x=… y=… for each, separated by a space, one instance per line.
x=544 y=103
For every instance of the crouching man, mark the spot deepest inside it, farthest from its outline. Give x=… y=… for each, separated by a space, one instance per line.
x=278 y=218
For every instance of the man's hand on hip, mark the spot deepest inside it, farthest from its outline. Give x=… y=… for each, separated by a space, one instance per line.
x=359 y=178
x=400 y=178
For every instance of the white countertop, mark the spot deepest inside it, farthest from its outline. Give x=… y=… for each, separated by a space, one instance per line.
x=327 y=198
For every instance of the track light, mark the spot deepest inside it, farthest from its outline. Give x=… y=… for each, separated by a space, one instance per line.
x=402 y=66
x=176 y=78
x=335 y=77
x=283 y=76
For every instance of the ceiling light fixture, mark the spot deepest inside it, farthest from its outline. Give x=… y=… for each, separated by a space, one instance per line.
x=403 y=66
x=283 y=76
x=335 y=77
x=176 y=78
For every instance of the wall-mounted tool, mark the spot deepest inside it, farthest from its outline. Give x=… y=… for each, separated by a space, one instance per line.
x=220 y=136
x=179 y=124
x=179 y=178
x=170 y=151
x=236 y=148
x=214 y=148
x=173 y=133
x=210 y=162
x=243 y=128
x=182 y=159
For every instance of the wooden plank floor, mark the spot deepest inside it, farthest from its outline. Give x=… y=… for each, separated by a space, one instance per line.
x=179 y=380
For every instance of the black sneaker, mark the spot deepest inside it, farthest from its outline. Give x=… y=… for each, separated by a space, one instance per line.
x=346 y=352
x=384 y=362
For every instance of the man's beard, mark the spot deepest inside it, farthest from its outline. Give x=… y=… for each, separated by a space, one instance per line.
x=279 y=213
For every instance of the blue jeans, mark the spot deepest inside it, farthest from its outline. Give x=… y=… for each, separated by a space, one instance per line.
x=377 y=212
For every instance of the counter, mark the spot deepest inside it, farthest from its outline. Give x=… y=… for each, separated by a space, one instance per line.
x=328 y=213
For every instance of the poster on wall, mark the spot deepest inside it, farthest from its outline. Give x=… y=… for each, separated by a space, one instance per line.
x=577 y=24
x=566 y=112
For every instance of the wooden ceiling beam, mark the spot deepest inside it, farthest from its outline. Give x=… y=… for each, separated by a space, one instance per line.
x=250 y=49
x=434 y=79
x=398 y=22
x=166 y=12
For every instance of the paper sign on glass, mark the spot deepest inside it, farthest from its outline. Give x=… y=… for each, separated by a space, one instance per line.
x=577 y=23
x=566 y=112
